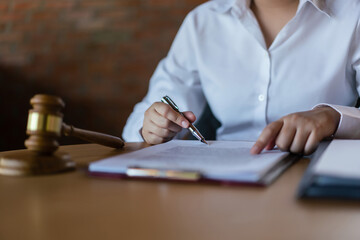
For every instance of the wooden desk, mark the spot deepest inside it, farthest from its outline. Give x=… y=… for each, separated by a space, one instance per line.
x=74 y=206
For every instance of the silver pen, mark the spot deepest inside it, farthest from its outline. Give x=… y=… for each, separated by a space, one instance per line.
x=192 y=128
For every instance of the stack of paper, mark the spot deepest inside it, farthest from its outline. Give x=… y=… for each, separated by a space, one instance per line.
x=220 y=161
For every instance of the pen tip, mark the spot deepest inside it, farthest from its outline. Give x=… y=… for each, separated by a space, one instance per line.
x=204 y=141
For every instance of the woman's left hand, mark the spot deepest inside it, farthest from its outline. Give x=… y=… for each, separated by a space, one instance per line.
x=300 y=132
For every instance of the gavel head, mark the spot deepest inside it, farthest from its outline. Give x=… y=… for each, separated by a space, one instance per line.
x=44 y=123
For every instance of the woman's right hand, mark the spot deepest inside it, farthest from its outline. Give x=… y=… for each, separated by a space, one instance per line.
x=162 y=123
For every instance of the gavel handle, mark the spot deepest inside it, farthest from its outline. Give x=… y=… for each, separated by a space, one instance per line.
x=94 y=137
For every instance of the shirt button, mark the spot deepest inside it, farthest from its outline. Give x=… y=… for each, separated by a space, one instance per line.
x=261 y=97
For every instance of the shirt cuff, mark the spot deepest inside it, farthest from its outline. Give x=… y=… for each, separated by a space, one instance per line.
x=132 y=130
x=349 y=124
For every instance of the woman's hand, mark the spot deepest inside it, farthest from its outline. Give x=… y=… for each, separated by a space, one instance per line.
x=300 y=132
x=162 y=123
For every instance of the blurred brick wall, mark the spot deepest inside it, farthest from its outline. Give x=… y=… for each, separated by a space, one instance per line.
x=98 y=55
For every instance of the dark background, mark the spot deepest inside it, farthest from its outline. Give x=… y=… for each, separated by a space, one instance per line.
x=97 y=55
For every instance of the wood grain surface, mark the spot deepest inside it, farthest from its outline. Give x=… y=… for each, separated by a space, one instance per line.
x=73 y=205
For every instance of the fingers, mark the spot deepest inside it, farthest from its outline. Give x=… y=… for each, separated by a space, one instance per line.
x=270 y=145
x=190 y=116
x=286 y=134
x=267 y=137
x=298 y=132
x=312 y=143
x=162 y=123
x=299 y=141
x=163 y=131
x=170 y=114
x=152 y=138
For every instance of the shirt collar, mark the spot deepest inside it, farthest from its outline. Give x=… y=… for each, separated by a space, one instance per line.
x=320 y=5
x=225 y=5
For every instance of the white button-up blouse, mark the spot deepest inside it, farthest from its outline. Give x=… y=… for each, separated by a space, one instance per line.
x=219 y=56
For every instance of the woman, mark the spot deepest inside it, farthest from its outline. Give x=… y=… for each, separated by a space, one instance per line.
x=281 y=72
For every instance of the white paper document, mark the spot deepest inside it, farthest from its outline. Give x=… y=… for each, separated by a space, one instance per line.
x=221 y=160
x=340 y=159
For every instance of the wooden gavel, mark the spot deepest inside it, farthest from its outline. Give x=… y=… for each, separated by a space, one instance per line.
x=45 y=125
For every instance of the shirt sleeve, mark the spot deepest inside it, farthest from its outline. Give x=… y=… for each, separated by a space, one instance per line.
x=176 y=76
x=349 y=125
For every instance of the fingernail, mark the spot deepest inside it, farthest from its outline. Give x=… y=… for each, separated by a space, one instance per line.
x=184 y=124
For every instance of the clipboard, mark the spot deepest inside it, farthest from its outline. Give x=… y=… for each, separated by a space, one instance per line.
x=138 y=171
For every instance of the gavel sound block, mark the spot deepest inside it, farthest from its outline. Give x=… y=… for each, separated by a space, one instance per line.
x=44 y=126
